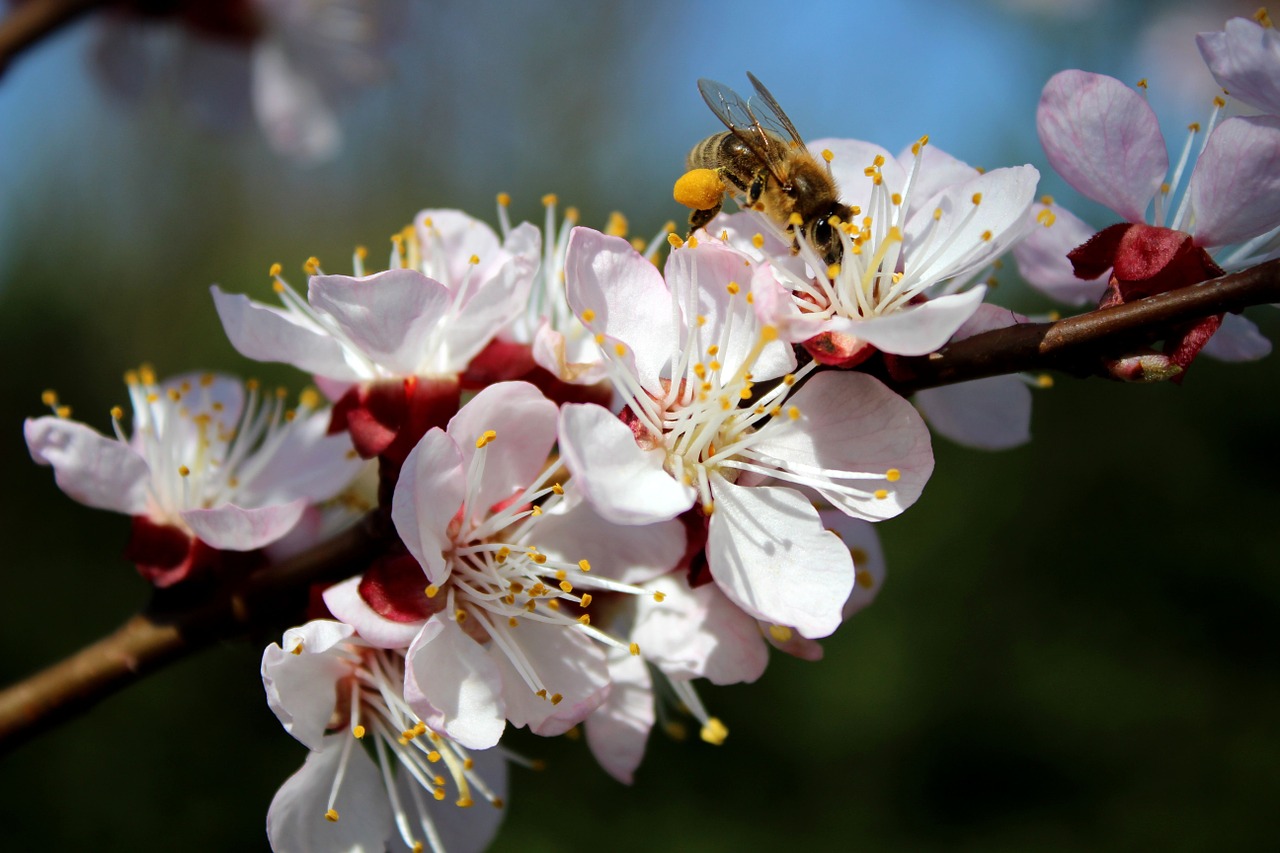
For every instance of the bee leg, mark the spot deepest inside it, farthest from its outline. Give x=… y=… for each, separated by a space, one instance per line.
x=756 y=189
x=699 y=218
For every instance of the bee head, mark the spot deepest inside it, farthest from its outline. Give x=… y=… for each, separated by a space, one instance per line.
x=823 y=235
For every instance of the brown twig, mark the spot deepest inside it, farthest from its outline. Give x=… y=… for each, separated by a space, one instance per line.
x=32 y=20
x=183 y=621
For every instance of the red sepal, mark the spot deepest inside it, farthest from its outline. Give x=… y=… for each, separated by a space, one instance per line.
x=395 y=587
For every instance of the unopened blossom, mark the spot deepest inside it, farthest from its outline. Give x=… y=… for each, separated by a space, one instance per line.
x=376 y=771
x=211 y=463
x=289 y=64
x=392 y=345
x=710 y=422
x=494 y=603
x=1245 y=60
x=1104 y=139
x=923 y=227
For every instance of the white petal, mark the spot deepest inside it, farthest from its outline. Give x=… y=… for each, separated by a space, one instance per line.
x=625 y=484
x=388 y=315
x=566 y=662
x=525 y=423
x=1104 y=139
x=574 y=531
x=232 y=528
x=310 y=463
x=851 y=158
x=96 y=471
x=969 y=236
x=265 y=333
x=430 y=490
x=938 y=170
x=618 y=729
x=628 y=296
x=460 y=830
x=449 y=239
x=1042 y=256
x=698 y=633
x=1245 y=60
x=868 y=557
x=302 y=688
x=345 y=603
x=917 y=329
x=849 y=422
x=296 y=820
x=989 y=414
x=770 y=554
x=453 y=686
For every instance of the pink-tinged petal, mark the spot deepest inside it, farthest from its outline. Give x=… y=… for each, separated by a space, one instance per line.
x=1104 y=139
x=1042 y=256
x=628 y=296
x=850 y=424
x=574 y=531
x=1237 y=339
x=698 y=633
x=618 y=729
x=92 y=469
x=575 y=359
x=776 y=307
x=525 y=424
x=491 y=304
x=624 y=483
x=938 y=170
x=300 y=678
x=346 y=604
x=388 y=315
x=769 y=553
x=296 y=819
x=850 y=160
x=791 y=643
x=449 y=239
x=264 y=333
x=863 y=542
x=232 y=528
x=310 y=464
x=428 y=495
x=291 y=107
x=917 y=329
x=1245 y=60
x=966 y=236
x=987 y=414
x=461 y=830
x=1235 y=187
x=452 y=684
x=711 y=282
x=567 y=663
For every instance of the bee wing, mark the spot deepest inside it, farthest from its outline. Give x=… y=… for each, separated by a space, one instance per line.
x=764 y=128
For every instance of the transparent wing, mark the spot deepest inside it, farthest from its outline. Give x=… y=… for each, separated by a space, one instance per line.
x=762 y=125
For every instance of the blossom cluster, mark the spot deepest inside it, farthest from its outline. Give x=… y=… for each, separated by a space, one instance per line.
x=610 y=468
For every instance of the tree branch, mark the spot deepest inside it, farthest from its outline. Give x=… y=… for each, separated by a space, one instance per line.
x=32 y=20
x=187 y=618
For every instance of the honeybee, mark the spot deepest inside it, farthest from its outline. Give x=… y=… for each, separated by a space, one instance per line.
x=765 y=162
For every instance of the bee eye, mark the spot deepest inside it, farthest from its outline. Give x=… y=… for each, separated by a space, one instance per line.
x=822 y=232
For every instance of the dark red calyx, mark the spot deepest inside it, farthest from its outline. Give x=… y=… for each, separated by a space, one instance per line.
x=694 y=560
x=166 y=555
x=395 y=587
x=503 y=361
x=838 y=349
x=388 y=418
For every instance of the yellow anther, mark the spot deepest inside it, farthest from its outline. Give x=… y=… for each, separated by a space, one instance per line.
x=584 y=565
x=1164 y=188
x=617 y=225
x=571 y=215
x=331 y=815
x=467 y=764
x=896 y=198
x=312 y=266
x=793 y=412
x=465 y=803
x=1142 y=84
x=486 y=438
x=541 y=694
x=557 y=488
x=1219 y=102
x=460 y=616
x=977 y=198
x=536 y=511
x=297 y=650
x=63 y=411
x=693 y=243
x=758 y=241
x=1262 y=17
x=714 y=732
x=549 y=199
x=49 y=398
x=634 y=648
x=504 y=199
x=864 y=579
x=781 y=633
x=833 y=272
x=699 y=189
x=588 y=315
x=565 y=586
x=768 y=334
x=183 y=471
x=358 y=731
x=659 y=597
x=986 y=236
x=433 y=756
x=745 y=393
x=620 y=349
x=1046 y=217
x=795 y=220
x=709 y=508
x=586 y=599
x=733 y=288
x=893 y=475
x=553 y=604
x=585 y=619
x=881 y=494
x=675 y=241
x=418 y=847
x=1044 y=380
x=438 y=793
x=275 y=270
x=1055 y=316
x=117 y=413
x=474 y=260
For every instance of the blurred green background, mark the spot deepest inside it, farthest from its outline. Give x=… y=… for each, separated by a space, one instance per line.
x=1075 y=648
